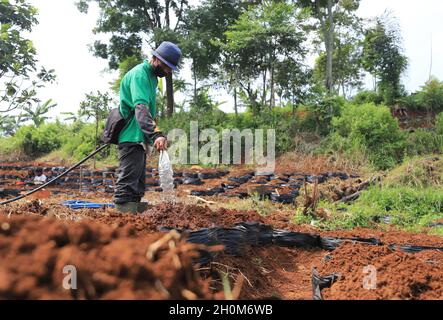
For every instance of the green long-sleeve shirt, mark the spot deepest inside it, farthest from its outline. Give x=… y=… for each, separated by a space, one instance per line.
x=138 y=86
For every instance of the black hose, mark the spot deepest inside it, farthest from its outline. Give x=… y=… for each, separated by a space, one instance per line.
x=58 y=177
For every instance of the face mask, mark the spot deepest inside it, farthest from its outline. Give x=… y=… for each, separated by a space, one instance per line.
x=158 y=71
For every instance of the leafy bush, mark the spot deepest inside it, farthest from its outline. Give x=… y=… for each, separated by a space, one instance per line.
x=317 y=117
x=431 y=95
x=422 y=142
x=364 y=97
x=34 y=142
x=411 y=102
x=367 y=131
x=439 y=123
x=81 y=144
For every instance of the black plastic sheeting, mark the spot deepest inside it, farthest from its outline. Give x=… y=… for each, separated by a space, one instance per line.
x=236 y=239
x=319 y=283
x=9 y=192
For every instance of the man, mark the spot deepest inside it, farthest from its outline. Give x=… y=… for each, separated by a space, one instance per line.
x=40 y=178
x=138 y=105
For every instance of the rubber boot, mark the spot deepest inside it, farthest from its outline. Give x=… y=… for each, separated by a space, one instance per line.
x=127 y=207
x=142 y=207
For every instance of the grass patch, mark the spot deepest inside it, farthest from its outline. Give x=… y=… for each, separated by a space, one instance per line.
x=419 y=172
x=411 y=209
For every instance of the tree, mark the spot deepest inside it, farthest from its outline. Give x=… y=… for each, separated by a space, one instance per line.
x=17 y=57
x=130 y=23
x=263 y=37
x=202 y=28
x=38 y=115
x=96 y=106
x=347 y=67
x=327 y=12
x=9 y=124
x=431 y=95
x=293 y=81
x=346 y=54
x=383 y=57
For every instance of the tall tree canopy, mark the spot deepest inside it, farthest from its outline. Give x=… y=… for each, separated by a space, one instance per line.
x=17 y=57
x=383 y=57
x=260 y=40
x=130 y=23
x=328 y=13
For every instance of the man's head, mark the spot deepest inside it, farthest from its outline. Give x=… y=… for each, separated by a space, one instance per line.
x=165 y=59
x=38 y=171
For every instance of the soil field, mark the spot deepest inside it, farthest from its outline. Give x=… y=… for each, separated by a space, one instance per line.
x=139 y=257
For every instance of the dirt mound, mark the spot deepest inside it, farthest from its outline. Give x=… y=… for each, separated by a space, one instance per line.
x=196 y=217
x=270 y=272
x=398 y=275
x=110 y=263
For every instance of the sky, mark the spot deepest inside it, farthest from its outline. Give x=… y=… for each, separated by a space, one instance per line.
x=63 y=35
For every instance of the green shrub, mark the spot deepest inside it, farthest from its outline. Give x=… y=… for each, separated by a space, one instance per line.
x=411 y=102
x=367 y=131
x=439 y=123
x=431 y=95
x=317 y=117
x=422 y=142
x=34 y=142
x=364 y=97
x=81 y=144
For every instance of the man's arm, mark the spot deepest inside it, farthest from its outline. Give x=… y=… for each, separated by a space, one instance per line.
x=147 y=123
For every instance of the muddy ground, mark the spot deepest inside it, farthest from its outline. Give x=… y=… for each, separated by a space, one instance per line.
x=132 y=257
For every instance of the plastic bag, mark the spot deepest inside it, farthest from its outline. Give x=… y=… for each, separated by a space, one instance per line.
x=166 y=177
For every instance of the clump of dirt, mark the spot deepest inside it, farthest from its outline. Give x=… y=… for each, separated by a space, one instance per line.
x=195 y=217
x=110 y=263
x=377 y=272
x=34 y=206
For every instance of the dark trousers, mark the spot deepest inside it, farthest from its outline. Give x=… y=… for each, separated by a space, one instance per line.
x=130 y=185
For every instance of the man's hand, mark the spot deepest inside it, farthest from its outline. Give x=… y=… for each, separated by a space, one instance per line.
x=160 y=143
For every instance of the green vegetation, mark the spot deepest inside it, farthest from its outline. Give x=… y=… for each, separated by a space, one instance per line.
x=367 y=131
x=257 y=51
x=410 y=198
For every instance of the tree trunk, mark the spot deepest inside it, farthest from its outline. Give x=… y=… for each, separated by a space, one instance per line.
x=167 y=14
x=235 y=102
x=195 y=81
x=272 y=102
x=169 y=95
x=263 y=97
x=329 y=47
x=96 y=137
x=252 y=99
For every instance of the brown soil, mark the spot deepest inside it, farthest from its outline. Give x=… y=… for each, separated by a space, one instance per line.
x=399 y=275
x=271 y=273
x=111 y=263
x=109 y=250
